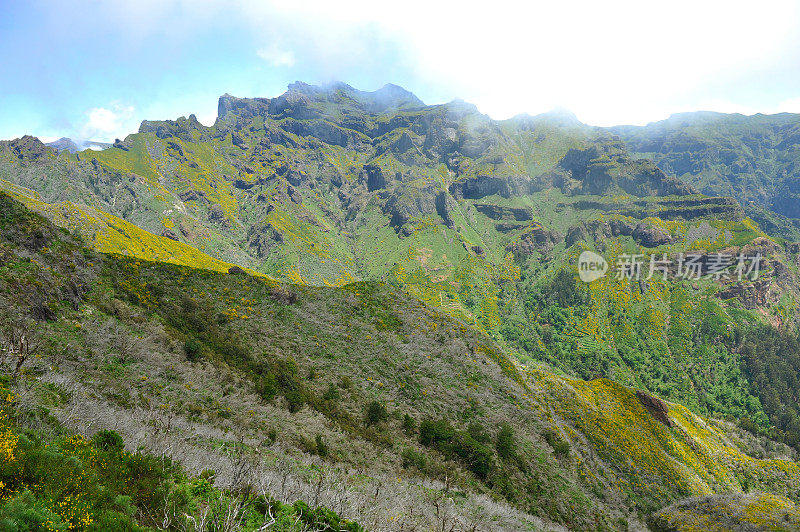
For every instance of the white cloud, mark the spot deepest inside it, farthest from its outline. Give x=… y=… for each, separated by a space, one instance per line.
x=276 y=56
x=791 y=105
x=610 y=62
x=106 y=124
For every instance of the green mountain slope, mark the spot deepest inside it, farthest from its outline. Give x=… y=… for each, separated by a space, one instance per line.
x=752 y=158
x=482 y=219
x=358 y=398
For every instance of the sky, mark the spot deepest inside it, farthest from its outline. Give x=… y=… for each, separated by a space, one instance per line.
x=96 y=69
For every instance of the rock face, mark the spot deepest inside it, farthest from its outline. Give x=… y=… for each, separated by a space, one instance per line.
x=655 y=406
x=497 y=212
x=537 y=238
x=650 y=236
x=645 y=234
x=28 y=148
x=404 y=205
x=372 y=175
x=262 y=238
x=169 y=233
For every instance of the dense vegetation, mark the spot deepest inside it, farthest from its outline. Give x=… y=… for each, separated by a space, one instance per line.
x=752 y=158
x=453 y=240
x=359 y=375
x=51 y=479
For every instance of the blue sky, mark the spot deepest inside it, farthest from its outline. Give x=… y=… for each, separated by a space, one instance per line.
x=96 y=69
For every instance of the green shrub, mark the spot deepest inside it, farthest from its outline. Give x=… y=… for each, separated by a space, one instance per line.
x=268 y=387
x=435 y=432
x=322 y=448
x=560 y=447
x=192 y=347
x=24 y=513
x=409 y=424
x=478 y=432
x=413 y=458
x=474 y=454
x=375 y=413
x=504 y=443
x=331 y=394
x=108 y=440
x=295 y=399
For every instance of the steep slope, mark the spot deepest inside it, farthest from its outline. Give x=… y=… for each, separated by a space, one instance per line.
x=752 y=158
x=358 y=398
x=483 y=219
x=109 y=234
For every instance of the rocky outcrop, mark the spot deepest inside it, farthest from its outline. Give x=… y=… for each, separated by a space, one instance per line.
x=645 y=234
x=372 y=175
x=535 y=239
x=480 y=186
x=497 y=212
x=444 y=206
x=27 y=148
x=251 y=107
x=169 y=233
x=650 y=236
x=407 y=203
x=193 y=195
x=261 y=238
x=655 y=406
x=605 y=167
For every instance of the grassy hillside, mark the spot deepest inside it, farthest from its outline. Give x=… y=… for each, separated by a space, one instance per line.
x=359 y=398
x=326 y=186
x=752 y=158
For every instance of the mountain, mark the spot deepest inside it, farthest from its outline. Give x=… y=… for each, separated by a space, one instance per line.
x=752 y=158
x=359 y=399
x=441 y=213
x=67 y=144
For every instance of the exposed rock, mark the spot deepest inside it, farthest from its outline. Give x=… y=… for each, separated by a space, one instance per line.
x=217 y=215
x=122 y=145
x=621 y=227
x=194 y=195
x=372 y=174
x=650 y=236
x=478 y=251
x=169 y=233
x=187 y=233
x=283 y=295
x=28 y=148
x=248 y=106
x=294 y=195
x=402 y=144
x=262 y=238
x=536 y=238
x=496 y=212
x=655 y=406
x=507 y=227
x=239 y=142
x=236 y=270
x=407 y=203
x=243 y=184
x=479 y=187
x=576 y=233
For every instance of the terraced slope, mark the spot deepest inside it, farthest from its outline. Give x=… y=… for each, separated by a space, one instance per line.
x=752 y=158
